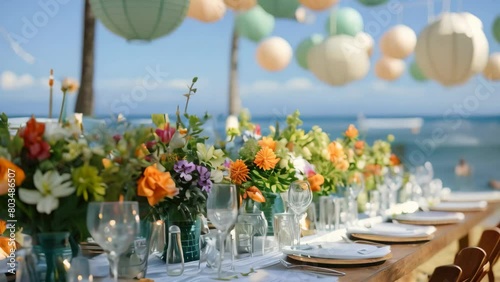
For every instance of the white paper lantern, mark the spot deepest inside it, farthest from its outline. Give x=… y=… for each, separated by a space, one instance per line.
x=388 y=68
x=338 y=60
x=365 y=41
x=318 y=5
x=492 y=70
x=398 y=42
x=207 y=11
x=452 y=49
x=274 y=54
x=140 y=20
x=240 y=5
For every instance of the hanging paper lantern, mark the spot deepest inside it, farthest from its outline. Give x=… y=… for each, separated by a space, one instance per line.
x=472 y=20
x=140 y=20
x=254 y=24
x=207 y=11
x=240 y=5
x=398 y=42
x=274 y=54
x=496 y=29
x=451 y=49
x=416 y=73
x=344 y=21
x=365 y=41
x=280 y=8
x=318 y=5
x=337 y=60
x=372 y=2
x=492 y=70
x=389 y=68
x=305 y=46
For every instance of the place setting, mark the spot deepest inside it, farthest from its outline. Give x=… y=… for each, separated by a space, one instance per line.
x=429 y=218
x=392 y=232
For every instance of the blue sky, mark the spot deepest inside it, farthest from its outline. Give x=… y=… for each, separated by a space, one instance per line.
x=201 y=49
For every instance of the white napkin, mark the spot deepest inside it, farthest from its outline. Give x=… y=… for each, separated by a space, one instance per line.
x=340 y=250
x=431 y=216
x=394 y=230
x=489 y=196
x=460 y=206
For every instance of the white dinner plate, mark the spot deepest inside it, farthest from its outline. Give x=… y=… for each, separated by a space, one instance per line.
x=473 y=196
x=339 y=250
x=430 y=218
x=460 y=206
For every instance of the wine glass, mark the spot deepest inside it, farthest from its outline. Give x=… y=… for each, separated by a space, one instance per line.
x=259 y=224
x=394 y=180
x=222 y=211
x=299 y=198
x=355 y=185
x=114 y=226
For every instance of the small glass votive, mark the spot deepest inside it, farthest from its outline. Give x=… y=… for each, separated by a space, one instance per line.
x=79 y=270
x=285 y=230
x=244 y=238
x=373 y=205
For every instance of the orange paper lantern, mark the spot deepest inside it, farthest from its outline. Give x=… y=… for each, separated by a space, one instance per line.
x=389 y=68
x=398 y=42
x=206 y=11
x=274 y=54
x=492 y=70
x=240 y=5
x=318 y=5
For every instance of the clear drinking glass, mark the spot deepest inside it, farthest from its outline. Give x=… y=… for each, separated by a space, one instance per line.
x=394 y=181
x=259 y=223
x=113 y=225
x=299 y=198
x=284 y=230
x=222 y=211
x=355 y=184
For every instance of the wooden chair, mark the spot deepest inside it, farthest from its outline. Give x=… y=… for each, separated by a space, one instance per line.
x=446 y=273
x=490 y=243
x=471 y=260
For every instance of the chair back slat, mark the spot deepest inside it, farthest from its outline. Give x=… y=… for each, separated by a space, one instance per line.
x=446 y=273
x=471 y=260
x=490 y=243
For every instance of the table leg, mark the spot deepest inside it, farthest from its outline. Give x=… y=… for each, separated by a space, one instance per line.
x=463 y=242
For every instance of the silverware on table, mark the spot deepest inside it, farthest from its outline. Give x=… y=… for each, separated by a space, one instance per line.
x=316 y=269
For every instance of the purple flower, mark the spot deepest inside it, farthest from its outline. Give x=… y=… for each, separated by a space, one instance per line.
x=185 y=169
x=227 y=163
x=204 y=182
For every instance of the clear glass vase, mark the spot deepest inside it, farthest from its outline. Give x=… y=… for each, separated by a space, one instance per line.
x=54 y=253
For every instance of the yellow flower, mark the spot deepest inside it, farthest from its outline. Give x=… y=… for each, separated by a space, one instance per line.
x=267 y=142
x=156 y=185
x=239 y=172
x=336 y=152
x=8 y=168
x=266 y=159
x=351 y=132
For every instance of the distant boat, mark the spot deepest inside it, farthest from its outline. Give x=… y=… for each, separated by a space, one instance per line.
x=414 y=124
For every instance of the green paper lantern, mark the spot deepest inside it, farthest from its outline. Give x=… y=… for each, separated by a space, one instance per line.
x=138 y=19
x=280 y=8
x=496 y=29
x=254 y=24
x=416 y=73
x=372 y=2
x=344 y=21
x=303 y=48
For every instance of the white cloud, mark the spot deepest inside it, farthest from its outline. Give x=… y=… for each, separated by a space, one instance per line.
x=12 y=81
x=14 y=45
x=268 y=86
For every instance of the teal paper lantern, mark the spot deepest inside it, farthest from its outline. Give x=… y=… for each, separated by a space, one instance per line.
x=344 y=21
x=280 y=8
x=416 y=73
x=254 y=24
x=138 y=19
x=303 y=48
x=372 y=2
x=496 y=29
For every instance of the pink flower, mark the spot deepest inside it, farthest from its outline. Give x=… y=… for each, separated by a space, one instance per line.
x=165 y=134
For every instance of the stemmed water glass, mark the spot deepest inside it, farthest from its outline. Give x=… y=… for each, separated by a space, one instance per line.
x=394 y=181
x=222 y=211
x=114 y=226
x=299 y=198
x=355 y=185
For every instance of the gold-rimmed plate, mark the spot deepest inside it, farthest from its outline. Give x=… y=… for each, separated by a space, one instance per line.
x=341 y=262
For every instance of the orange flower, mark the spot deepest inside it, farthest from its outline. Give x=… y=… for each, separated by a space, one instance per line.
x=266 y=159
x=342 y=165
x=316 y=181
x=4 y=241
x=156 y=185
x=351 y=132
x=238 y=172
x=290 y=146
x=394 y=160
x=141 y=151
x=255 y=194
x=372 y=169
x=3 y=226
x=267 y=142
x=359 y=145
x=8 y=170
x=336 y=152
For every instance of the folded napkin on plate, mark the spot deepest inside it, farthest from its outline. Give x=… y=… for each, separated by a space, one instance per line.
x=460 y=206
x=489 y=196
x=434 y=216
x=339 y=250
x=394 y=230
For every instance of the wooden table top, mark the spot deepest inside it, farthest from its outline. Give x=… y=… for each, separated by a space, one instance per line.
x=407 y=257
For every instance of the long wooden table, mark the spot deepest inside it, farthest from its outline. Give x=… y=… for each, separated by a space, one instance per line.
x=407 y=257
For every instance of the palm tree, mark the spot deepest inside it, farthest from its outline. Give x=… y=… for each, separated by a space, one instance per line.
x=234 y=97
x=85 y=100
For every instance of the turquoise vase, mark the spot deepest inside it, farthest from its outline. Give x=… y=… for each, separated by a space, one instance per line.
x=52 y=250
x=190 y=237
